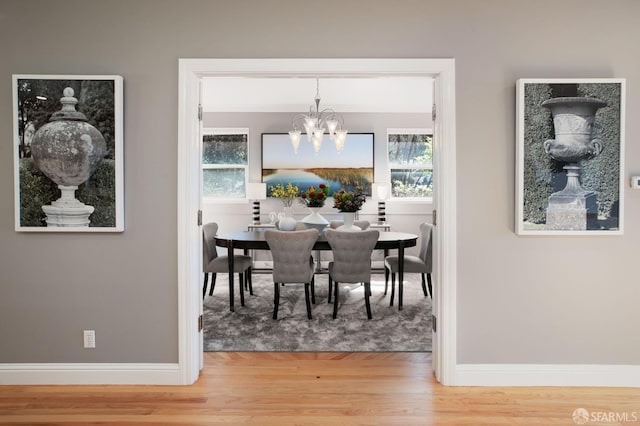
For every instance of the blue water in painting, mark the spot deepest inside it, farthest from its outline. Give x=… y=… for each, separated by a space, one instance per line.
x=301 y=179
x=353 y=166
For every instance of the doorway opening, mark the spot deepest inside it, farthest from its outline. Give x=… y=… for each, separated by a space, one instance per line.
x=189 y=200
x=251 y=115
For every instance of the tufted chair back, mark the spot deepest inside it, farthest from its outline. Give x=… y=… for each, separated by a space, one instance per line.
x=209 y=252
x=291 y=251
x=351 y=254
x=426 y=255
x=292 y=262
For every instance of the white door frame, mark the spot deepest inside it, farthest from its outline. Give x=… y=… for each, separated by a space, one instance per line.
x=444 y=163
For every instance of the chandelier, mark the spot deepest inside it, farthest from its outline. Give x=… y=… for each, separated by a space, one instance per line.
x=316 y=123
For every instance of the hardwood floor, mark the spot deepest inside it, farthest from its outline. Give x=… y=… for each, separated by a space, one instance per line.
x=311 y=389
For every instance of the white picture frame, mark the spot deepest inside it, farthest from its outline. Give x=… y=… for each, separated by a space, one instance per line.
x=37 y=99
x=542 y=146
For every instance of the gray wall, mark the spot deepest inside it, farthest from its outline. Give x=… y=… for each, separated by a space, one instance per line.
x=520 y=299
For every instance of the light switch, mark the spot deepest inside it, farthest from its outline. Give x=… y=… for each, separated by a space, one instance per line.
x=635 y=182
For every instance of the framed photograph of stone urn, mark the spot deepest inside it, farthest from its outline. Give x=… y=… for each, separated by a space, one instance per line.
x=68 y=153
x=569 y=156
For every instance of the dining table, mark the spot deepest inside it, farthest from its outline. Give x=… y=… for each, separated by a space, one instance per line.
x=255 y=240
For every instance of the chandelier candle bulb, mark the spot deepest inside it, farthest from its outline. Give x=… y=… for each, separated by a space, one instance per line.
x=294 y=135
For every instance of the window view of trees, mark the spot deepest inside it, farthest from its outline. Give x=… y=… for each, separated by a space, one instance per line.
x=410 y=163
x=224 y=163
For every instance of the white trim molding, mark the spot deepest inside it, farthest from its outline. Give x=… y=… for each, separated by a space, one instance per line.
x=191 y=71
x=547 y=375
x=90 y=374
x=445 y=232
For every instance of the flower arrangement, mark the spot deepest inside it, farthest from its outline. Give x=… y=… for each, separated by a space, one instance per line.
x=315 y=197
x=349 y=201
x=286 y=193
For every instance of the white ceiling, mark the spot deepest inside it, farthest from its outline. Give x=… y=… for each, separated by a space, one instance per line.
x=380 y=94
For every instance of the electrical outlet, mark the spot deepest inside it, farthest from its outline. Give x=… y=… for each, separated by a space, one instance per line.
x=89 y=338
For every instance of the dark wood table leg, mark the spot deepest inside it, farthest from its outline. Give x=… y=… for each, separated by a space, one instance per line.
x=386 y=271
x=230 y=256
x=248 y=280
x=400 y=272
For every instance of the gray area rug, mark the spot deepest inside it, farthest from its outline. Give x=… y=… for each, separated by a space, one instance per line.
x=251 y=327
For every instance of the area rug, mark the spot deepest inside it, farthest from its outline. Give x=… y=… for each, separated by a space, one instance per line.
x=251 y=327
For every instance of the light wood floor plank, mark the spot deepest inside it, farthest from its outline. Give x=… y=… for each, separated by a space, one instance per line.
x=309 y=389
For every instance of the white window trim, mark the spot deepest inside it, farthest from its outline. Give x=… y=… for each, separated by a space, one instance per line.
x=226 y=131
x=407 y=131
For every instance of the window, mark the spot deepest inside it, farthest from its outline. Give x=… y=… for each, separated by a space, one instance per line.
x=410 y=163
x=224 y=162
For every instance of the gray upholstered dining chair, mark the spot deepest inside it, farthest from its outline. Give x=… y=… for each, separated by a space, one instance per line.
x=362 y=224
x=334 y=224
x=351 y=262
x=421 y=264
x=214 y=264
x=322 y=265
x=292 y=262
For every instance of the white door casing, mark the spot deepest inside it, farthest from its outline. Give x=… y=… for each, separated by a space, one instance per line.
x=191 y=71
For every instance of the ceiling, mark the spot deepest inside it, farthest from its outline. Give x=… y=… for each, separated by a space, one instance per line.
x=379 y=94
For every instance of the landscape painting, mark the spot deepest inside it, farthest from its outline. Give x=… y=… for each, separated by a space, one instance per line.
x=352 y=167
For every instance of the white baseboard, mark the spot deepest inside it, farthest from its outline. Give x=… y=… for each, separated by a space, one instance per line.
x=547 y=375
x=90 y=374
x=466 y=374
